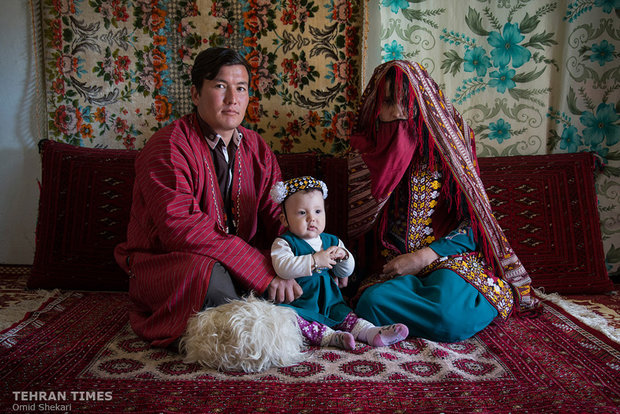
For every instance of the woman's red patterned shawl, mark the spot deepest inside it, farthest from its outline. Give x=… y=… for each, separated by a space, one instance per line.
x=453 y=140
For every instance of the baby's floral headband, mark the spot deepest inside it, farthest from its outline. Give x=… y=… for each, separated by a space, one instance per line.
x=284 y=189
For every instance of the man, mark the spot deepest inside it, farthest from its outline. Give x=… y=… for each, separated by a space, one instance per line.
x=200 y=199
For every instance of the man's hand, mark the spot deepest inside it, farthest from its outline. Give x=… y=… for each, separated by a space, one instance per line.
x=410 y=263
x=284 y=290
x=342 y=282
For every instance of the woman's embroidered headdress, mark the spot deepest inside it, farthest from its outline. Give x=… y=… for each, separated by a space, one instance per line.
x=284 y=189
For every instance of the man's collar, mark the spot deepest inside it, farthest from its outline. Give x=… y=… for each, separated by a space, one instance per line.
x=212 y=137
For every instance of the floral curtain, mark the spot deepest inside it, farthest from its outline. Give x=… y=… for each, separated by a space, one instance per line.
x=118 y=70
x=530 y=77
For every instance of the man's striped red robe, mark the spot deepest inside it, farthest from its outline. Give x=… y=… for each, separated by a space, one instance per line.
x=177 y=228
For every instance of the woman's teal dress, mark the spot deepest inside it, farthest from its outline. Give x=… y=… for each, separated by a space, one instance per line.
x=441 y=306
x=451 y=299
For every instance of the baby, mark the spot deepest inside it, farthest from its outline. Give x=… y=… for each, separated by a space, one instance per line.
x=314 y=259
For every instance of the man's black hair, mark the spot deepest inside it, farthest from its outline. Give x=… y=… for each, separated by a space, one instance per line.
x=209 y=62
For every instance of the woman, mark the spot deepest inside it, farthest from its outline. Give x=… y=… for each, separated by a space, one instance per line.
x=448 y=270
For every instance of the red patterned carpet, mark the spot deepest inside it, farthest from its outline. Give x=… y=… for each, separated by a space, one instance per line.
x=79 y=345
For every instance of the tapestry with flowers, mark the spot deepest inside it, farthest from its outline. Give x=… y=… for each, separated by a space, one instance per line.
x=118 y=70
x=529 y=76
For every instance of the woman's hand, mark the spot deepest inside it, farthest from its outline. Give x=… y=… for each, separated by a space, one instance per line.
x=410 y=263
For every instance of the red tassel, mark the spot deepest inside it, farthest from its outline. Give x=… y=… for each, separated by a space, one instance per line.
x=412 y=103
x=431 y=148
x=378 y=103
x=397 y=89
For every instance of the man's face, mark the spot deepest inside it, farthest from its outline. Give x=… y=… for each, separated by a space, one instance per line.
x=305 y=214
x=222 y=101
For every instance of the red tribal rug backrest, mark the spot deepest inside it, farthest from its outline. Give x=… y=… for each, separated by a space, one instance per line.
x=545 y=204
x=83 y=214
x=547 y=207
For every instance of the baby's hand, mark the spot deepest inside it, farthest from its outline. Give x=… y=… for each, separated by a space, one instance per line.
x=323 y=259
x=338 y=253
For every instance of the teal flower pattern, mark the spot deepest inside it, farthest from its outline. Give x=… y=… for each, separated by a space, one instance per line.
x=608 y=5
x=395 y=5
x=602 y=126
x=500 y=130
x=476 y=60
x=507 y=48
x=570 y=139
x=392 y=51
x=602 y=151
x=602 y=52
x=502 y=79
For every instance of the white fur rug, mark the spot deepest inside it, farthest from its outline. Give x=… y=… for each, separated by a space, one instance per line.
x=248 y=335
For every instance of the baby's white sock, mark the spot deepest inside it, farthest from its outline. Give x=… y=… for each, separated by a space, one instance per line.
x=342 y=340
x=381 y=335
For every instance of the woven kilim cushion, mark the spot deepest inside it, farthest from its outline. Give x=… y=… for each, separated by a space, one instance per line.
x=84 y=210
x=83 y=213
x=297 y=165
x=547 y=206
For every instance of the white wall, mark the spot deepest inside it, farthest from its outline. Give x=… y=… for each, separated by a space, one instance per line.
x=372 y=17
x=20 y=165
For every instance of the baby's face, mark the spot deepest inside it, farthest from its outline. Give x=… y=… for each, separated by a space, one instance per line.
x=305 y=214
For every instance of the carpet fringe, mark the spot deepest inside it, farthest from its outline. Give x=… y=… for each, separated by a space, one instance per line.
x=17 y=311
x=583 y=314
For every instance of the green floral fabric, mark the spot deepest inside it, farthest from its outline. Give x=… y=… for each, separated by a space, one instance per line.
x=530 y=77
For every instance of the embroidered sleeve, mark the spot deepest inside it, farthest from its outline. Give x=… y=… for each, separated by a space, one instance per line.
x=458 y=241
